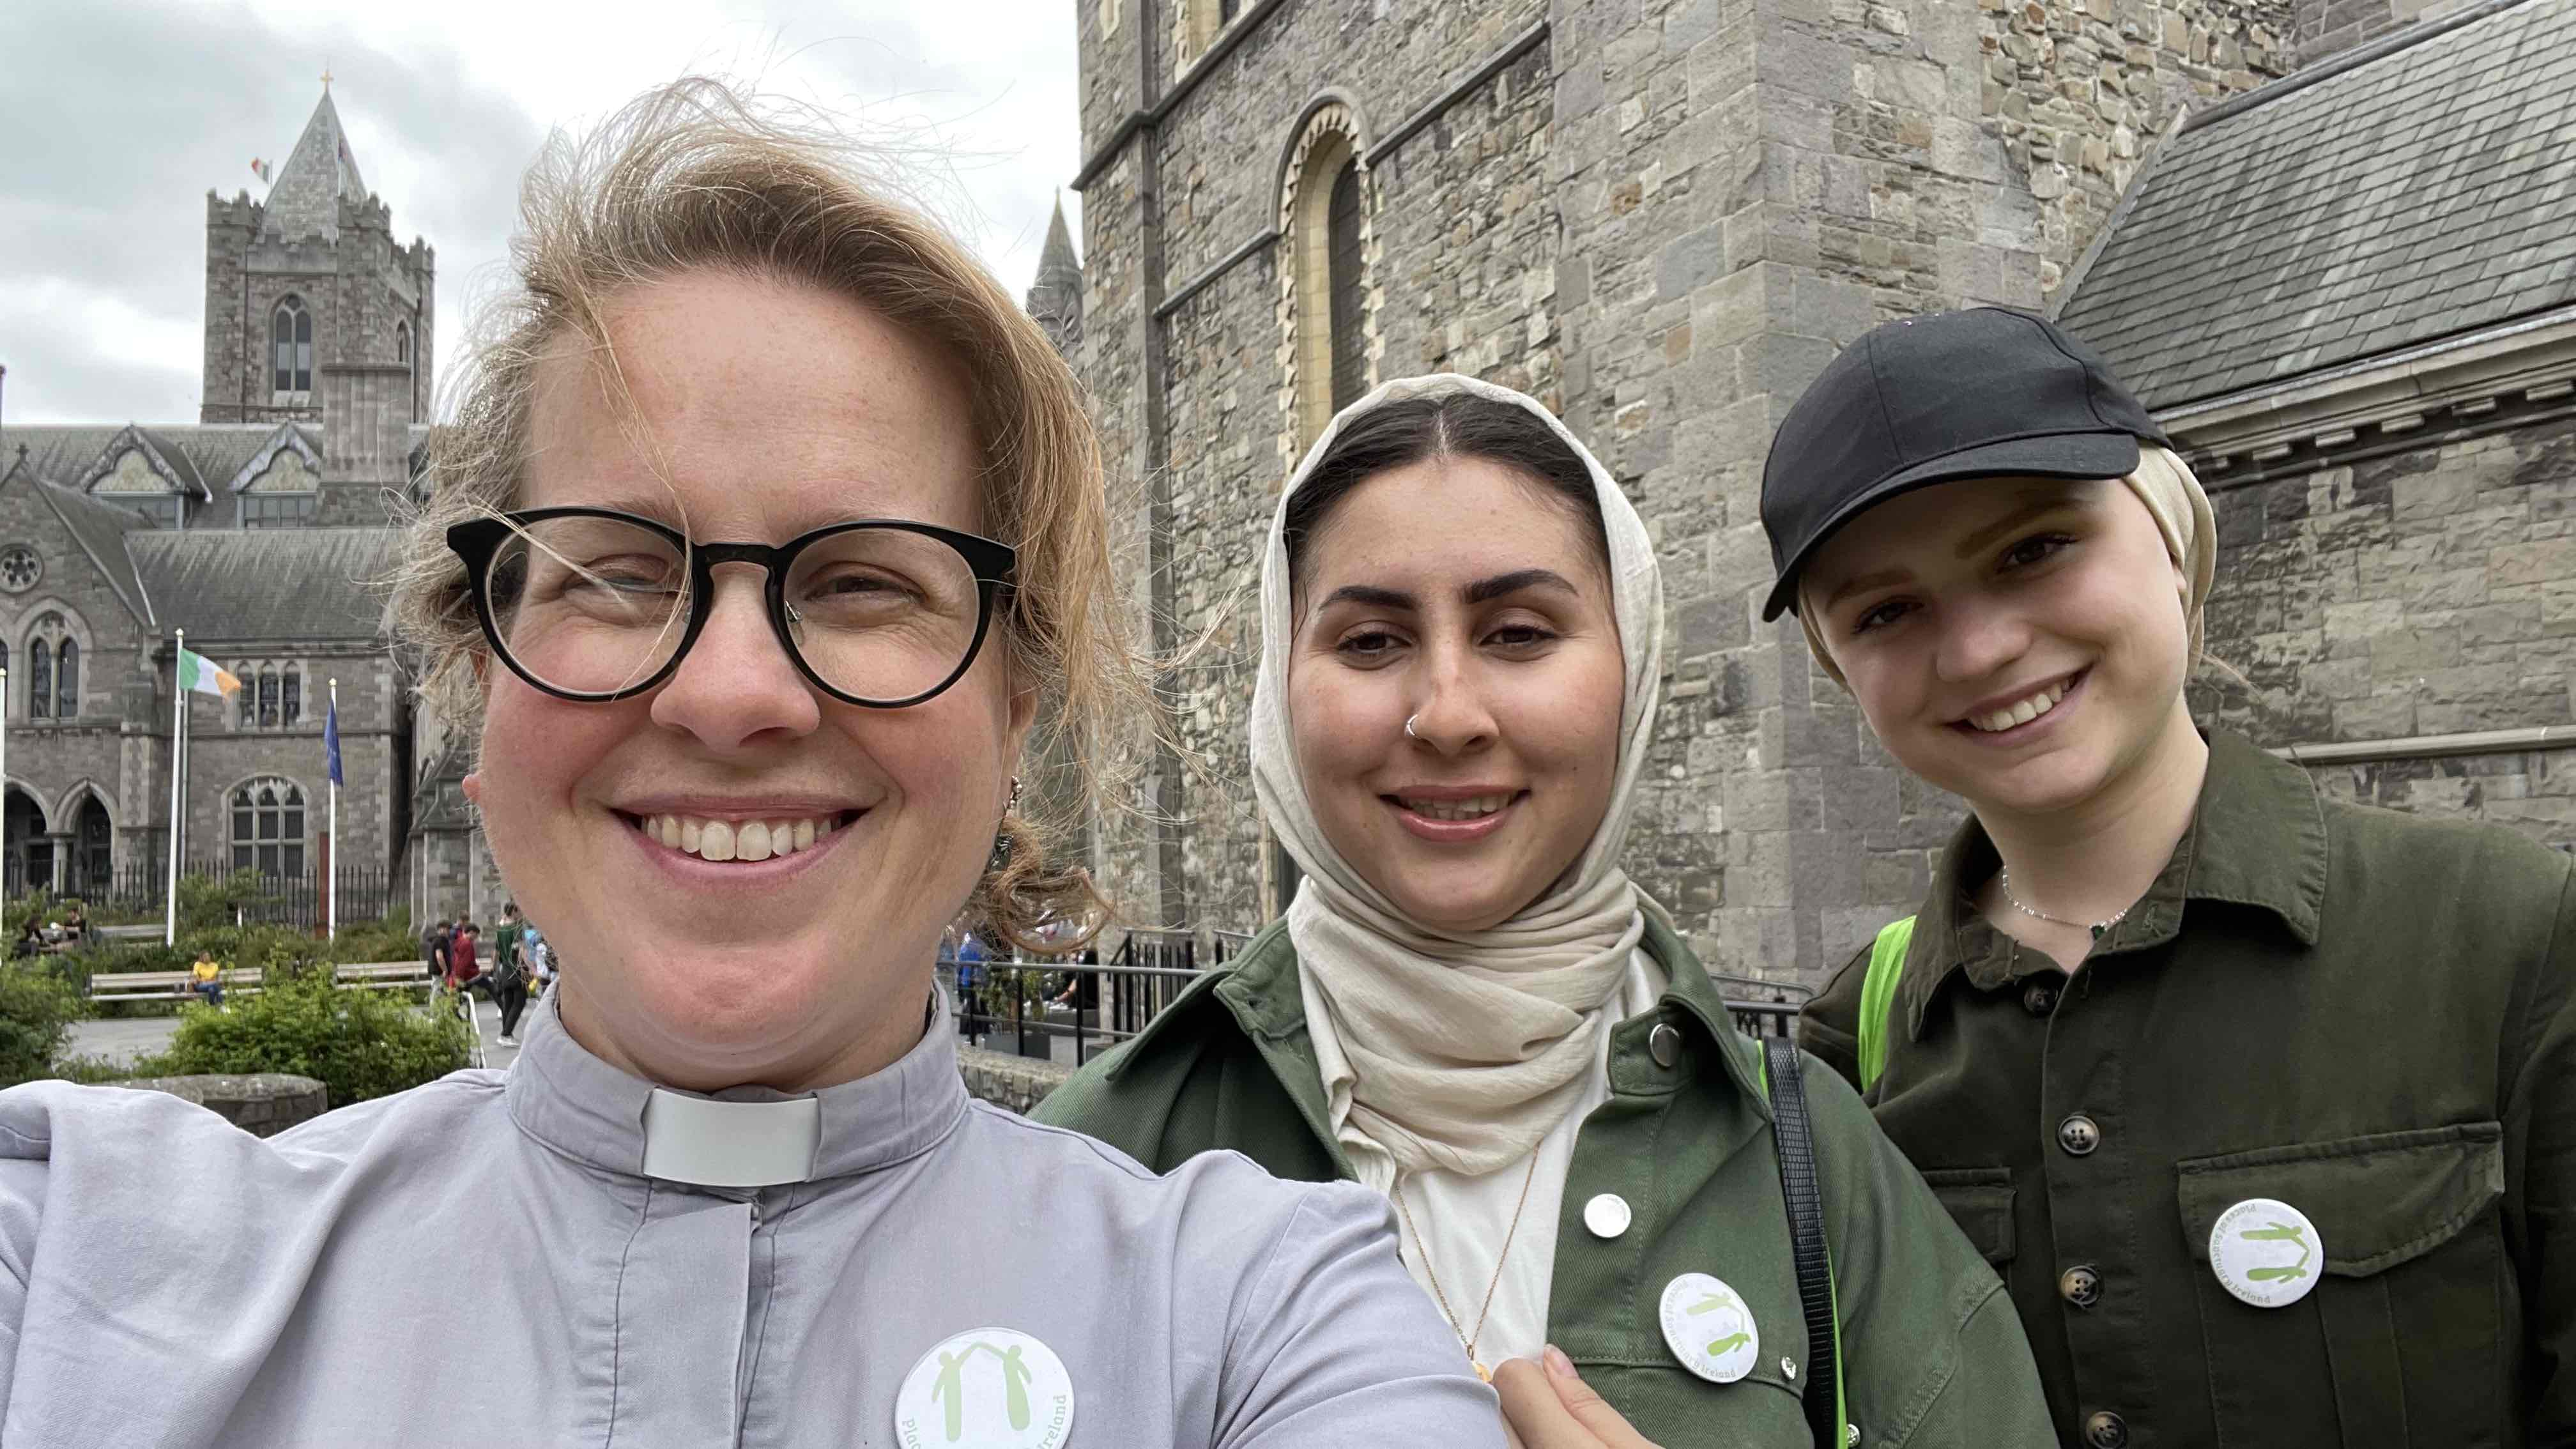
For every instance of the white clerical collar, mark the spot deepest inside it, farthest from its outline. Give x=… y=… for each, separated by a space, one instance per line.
x=709 y=1143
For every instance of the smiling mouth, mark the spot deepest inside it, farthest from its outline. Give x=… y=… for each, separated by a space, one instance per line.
x=1475 y=807
x=712 y=838
x=2021 y=712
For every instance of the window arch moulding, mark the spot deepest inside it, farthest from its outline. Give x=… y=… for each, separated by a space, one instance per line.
x=1330 y=138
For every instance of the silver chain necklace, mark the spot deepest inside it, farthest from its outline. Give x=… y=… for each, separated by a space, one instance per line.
x=2018 y=904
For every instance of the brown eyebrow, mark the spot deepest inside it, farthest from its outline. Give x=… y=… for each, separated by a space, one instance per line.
x=1865 y=581
x=1370 y=595
x=1484 y=590
x=1481 y=591
x=2045 y=502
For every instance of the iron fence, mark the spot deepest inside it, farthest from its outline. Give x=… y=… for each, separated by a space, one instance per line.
x=1068 y=1008
x=295 y=899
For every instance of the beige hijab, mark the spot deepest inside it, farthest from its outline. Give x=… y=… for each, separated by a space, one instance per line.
x=2172 y=492
x=1463 y=1050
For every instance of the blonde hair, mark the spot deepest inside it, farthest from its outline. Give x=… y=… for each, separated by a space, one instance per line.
x=2172 y=493
x=691 y=176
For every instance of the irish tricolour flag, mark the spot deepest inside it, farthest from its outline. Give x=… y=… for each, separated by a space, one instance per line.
x=203 y=675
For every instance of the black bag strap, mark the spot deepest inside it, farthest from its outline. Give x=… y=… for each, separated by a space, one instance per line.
x=1804 y=1191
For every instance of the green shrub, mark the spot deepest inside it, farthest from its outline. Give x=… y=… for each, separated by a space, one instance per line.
x=90 y=1071
x=36 y=1015
x=357 y=1044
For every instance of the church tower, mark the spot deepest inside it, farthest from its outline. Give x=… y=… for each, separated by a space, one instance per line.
x=310 y=278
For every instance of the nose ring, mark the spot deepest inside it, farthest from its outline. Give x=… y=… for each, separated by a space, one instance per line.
x=1408 y=727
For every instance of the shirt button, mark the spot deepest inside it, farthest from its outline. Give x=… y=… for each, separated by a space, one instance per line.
x=1607 y=1215
x=2080 y=1286
x=2106 y=1430
x=1665 y=1043
x=2039 y=998
x=2079 y=1135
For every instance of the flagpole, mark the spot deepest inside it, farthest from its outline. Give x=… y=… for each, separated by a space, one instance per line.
x=334 y=862
x=178 y=752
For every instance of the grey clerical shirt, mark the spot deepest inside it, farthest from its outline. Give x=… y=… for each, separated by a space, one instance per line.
x=483 y=1261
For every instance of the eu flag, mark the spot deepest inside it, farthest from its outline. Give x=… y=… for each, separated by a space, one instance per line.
x=331 y=741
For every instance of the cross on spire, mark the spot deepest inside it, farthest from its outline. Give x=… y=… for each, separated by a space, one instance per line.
x=326 y=75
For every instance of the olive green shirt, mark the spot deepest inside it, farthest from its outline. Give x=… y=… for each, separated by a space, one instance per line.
x=2366 y=1015
x=1932 y=1354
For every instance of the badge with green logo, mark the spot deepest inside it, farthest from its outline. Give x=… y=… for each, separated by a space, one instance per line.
x=2266 y=1252
x=1709 y=1329
x=990 y=1388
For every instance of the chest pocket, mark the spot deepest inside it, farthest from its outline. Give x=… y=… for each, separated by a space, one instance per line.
x=2404 y=1340
x=1980 y=1200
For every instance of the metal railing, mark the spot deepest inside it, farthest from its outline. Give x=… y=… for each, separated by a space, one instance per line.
x=1070 y=1008
x=296 y=898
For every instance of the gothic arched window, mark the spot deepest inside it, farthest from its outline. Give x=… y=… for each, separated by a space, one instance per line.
x=247 y=697
x=267 y=697
x=268 y=827
x=290 y=335
x=1324 y=215
x=1342 y=282
x=53 y=669
x=402 y=342
x=290 y=708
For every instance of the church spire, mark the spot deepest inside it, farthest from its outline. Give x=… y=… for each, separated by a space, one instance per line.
x=305 y=201
x=1055 y=297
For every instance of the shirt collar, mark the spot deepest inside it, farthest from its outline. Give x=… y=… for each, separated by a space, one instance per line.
x=742 y=1137
x=2257 y=838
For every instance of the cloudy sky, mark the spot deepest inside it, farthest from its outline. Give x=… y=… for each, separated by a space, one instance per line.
x=117 y=116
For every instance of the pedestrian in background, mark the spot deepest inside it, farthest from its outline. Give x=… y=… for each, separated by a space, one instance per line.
x=435 y=945
x=464 y=961
x=206 y=978
x=2263 y=1102
x=541 y=959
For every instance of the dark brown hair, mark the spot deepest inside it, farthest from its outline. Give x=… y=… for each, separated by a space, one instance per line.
x=1451 y=425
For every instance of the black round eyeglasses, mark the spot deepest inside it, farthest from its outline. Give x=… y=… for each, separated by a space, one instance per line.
x=594 y=605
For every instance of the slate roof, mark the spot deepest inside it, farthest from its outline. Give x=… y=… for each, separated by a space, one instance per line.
x=64 y=453
x=286 y=583
x=102 y=530
x=2426 y=189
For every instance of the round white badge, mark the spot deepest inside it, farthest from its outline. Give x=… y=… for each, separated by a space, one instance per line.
x=989 y=1388
x=1607 y=1215
x=1709 y=1329
x=2266 y=1252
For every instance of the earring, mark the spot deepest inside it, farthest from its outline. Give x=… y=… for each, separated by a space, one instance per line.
x=1001 y=860
x=1408 y=727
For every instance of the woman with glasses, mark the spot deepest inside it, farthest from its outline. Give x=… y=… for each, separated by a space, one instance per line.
x=766 y=522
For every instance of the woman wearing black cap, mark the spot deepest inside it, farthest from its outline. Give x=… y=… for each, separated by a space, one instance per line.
x=2161 y=1036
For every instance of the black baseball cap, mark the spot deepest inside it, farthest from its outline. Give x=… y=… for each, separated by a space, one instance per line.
x=1982 y=393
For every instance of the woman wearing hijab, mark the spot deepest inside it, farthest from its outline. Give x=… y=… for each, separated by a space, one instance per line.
x=1471 y=1009
x=770 y=519
x=2263 y=1102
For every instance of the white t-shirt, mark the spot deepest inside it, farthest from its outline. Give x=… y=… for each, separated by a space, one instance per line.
x=1463 y=1220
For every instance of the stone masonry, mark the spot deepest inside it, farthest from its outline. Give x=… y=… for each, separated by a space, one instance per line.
x=1661 y=217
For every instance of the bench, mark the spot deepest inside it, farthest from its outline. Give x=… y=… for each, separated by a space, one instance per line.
x=178 y=985
x=164 y=985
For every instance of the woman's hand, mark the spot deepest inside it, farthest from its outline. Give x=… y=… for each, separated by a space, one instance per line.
x=1553 y=1408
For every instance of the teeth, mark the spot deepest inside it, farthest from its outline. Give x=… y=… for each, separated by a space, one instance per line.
x=746 y=840
x=1476 y=808
x=2021 y=713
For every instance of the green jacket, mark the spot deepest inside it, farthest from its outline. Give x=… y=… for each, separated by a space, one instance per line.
x=2366 y=1015
x=1932 y=1355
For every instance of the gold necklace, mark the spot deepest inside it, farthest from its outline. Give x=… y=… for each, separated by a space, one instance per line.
x=1467 y=1340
